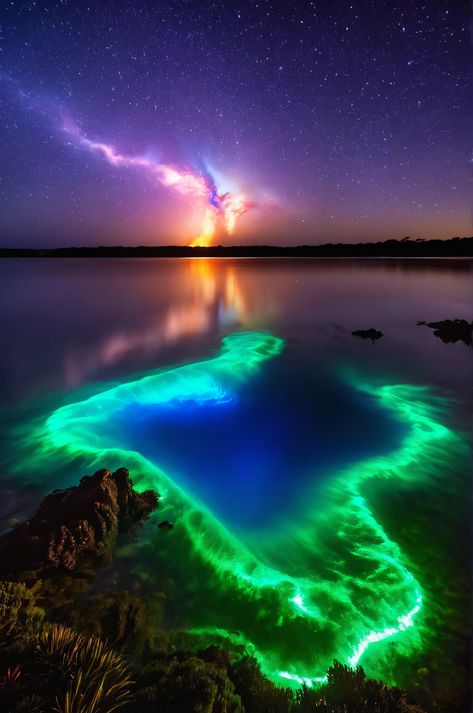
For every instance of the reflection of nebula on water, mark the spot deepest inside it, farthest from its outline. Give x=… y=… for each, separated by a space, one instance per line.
x=214 y=300
x=302 y=590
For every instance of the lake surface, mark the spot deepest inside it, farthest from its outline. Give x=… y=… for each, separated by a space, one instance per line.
x=318 y=482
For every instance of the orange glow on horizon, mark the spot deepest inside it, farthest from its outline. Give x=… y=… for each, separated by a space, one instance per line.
x=229 y=210
x=208 y=229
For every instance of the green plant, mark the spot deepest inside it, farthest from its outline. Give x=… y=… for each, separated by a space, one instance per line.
x=89 y=676
x=19 y=614
x=58 y=645
x=94 y=695
x=185 y=683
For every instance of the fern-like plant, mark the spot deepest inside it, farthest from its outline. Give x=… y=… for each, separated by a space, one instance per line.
x=96 y=679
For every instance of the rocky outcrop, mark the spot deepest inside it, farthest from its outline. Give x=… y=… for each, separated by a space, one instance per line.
x=452 y=330
x=76 y=526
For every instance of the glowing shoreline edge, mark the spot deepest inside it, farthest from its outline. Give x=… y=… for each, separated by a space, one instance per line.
x=73 y=428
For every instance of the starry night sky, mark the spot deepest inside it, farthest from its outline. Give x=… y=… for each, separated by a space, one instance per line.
x=342 y=121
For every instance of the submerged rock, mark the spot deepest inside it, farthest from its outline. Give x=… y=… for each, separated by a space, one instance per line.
x=165 y=525
x=371 y=333
x=452 y=330
x=76 y=526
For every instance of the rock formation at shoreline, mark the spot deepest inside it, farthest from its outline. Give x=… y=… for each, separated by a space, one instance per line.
x=452 y=330
x=76 y=526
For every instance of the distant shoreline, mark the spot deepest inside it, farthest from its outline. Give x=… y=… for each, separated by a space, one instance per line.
x=450 y=248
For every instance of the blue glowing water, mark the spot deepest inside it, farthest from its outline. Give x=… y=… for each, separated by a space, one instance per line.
x=251 y=455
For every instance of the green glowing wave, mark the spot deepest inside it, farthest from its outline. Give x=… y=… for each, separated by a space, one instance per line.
x=328 y=586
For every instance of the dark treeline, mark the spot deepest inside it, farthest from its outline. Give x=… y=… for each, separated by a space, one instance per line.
x=453 y=247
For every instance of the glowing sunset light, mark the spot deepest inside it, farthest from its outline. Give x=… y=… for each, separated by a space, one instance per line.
x=208 y=229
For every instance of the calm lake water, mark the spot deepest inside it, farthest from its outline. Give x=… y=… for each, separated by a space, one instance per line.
x=318 y=482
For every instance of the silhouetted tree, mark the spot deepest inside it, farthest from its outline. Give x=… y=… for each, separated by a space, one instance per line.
x=257 y=693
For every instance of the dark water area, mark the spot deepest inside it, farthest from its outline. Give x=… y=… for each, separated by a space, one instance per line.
x=333 y=473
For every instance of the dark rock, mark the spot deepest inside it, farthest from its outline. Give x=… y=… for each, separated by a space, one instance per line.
x=165 y=525
x=371 y=333
x=77 y=525
x=452 y=330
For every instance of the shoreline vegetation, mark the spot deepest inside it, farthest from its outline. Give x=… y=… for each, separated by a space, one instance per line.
x=405 y=248
x=68 y=646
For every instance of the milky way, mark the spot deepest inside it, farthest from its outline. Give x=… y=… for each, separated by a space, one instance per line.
x=223 y=208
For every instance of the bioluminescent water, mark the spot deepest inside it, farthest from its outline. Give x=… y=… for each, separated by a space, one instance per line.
x=296 y=565
x=317 y=482
x=229 y=450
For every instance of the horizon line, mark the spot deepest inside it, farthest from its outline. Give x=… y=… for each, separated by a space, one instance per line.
x=239 y=246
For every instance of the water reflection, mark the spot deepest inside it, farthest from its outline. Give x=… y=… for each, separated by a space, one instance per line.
x=215 y=301
x=67 y=322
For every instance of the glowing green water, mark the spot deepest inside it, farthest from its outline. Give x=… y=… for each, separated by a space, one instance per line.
x=341 y=588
